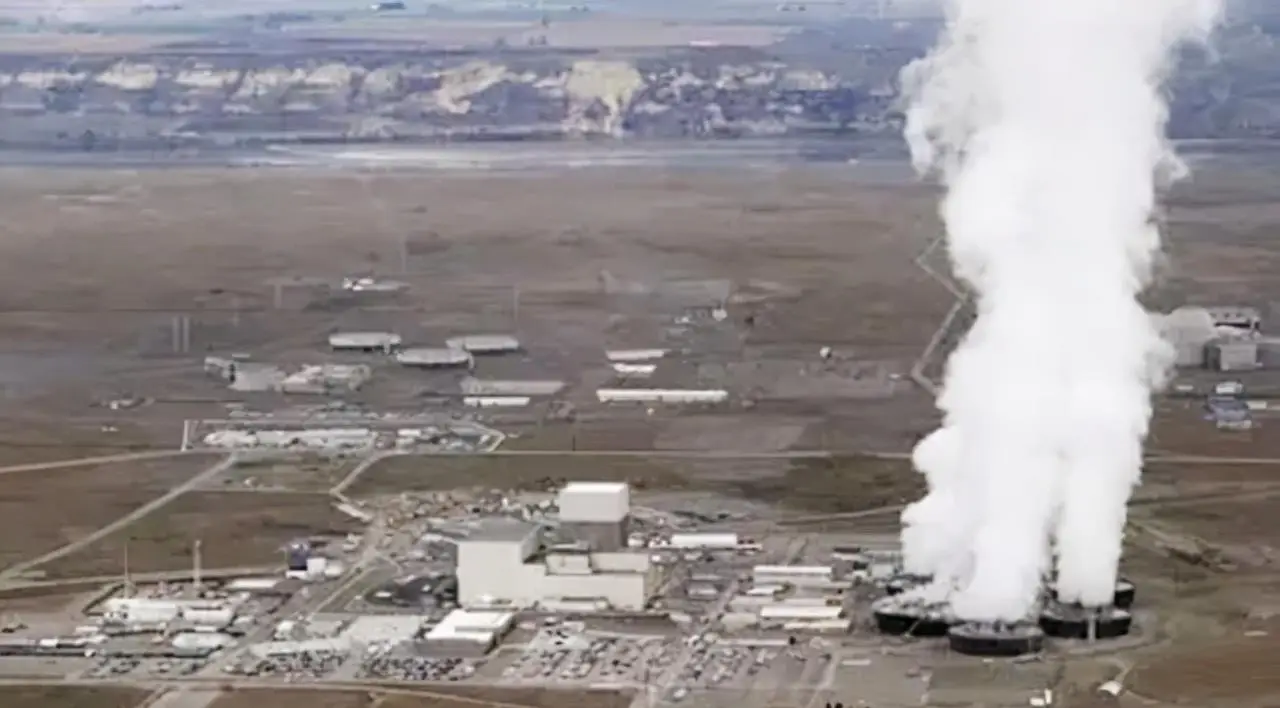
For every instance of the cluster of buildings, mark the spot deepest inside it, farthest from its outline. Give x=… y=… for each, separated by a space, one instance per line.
x=319 y=379
x=1220 y=338
x=582 y=563
x=793 y=598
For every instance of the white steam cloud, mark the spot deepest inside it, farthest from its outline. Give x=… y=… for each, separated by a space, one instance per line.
x=1045 y=119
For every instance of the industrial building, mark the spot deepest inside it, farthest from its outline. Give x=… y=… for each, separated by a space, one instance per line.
x=317 y=646
x=1246 y=320
x=794 y=575
x=436 y=357
x=385 y=342
x=634 y=356
x=372 y=631
x=703 y=540
x=154 y=611
x=327 y=439
x=485 y=344
x=496 y=401
x=326 y=378
x=657 y=395
x=510 y=563
x=468 y=632
x=472 y=386
x=1238 y=353
x=310 y=378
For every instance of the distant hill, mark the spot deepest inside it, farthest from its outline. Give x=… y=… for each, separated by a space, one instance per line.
x=838 y=81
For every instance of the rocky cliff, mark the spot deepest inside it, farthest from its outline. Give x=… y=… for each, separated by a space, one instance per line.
x=164 y=100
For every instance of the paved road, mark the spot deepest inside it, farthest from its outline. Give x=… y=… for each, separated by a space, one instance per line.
x=85 y=461
x=217 y=469
x=158 y=577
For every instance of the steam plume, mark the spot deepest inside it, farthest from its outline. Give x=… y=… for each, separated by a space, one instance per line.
x=1045 y=120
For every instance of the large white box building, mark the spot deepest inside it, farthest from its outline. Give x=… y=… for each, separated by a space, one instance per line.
x=510 y=563
x=595 y=514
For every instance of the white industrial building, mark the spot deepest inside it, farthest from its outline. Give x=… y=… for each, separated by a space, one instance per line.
x=637 y=371
x=661 y=395
x=472 y=386
x=496 y=401
x=632 y=356
x=1238 y=353
x=385 y=342
x=703 y=540
x=509 y=563
x=469 y=632
x=435 y=357
x=322 y=645
x=384 y=630
x=326 y=439
x=326 y=378
x=201 y=641
x=794 y=575
x=145 y=610
x=485 y=343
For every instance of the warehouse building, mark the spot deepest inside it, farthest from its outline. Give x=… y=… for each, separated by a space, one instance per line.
x=794 y=575
x=435 y=358
x=514 y=564
x=659 y=395
x=1247 y=320
x=1233 y=354
x=468 y=633
x=481 y=344
x=472 y=386
x=595 y=514
x=384 y=342
x=384 y=631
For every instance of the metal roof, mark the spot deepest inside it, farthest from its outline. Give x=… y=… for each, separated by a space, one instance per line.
x=364 y=339
x=434 y=356
x=476 y=343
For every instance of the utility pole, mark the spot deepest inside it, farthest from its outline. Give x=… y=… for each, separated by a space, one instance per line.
x=128 y=584
x=195 y=571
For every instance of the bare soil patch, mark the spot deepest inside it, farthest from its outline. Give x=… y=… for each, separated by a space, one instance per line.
x=834 y=485
x=236 y=529
x=70 y=697
x=41 y=510
x=1239 y=669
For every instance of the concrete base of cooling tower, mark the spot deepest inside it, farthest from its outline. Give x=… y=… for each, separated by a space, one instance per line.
x=1072 y=622
x=903 y=582
x=996 y=640
x=904 y=614
x=1125 y=595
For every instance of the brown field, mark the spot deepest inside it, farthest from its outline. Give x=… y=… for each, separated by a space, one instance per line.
x=826 y=485
x=236 y=529
x=41 y=510
x=427 y=472
x=1230 y=672
x=70 y=697
x=302 y=473
x=1251 y=521
x=1179 y=428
